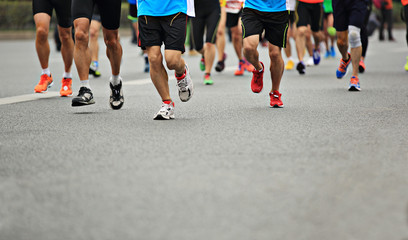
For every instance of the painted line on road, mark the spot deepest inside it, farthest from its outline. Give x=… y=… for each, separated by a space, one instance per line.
x=28 y=97
x=51 y=94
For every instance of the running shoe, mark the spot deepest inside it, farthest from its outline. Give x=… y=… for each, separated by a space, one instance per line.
x=406 y=65
x=207 y=79
x=361 y=66
x=289 y=65
x=354 y=84
x=185 y=86
x=333 y=52
x=202 y=64
x=241 y=68
x=147 y=65
x=248 y=66
x=45 y=83
x=276 y=101
x=93 y=70
x=310 y=62
x=316 y=56
x=328 y=54
x=166 y=111
x=116 y=99
x=342 y=70
x=221 y=64
x=84 y=97
x=257 y=80
x=301 y=68
x=66 y=89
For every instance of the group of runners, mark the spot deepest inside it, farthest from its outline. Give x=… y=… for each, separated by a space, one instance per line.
x=165 y=22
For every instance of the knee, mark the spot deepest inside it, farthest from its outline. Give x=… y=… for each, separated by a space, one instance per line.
x=354 y=37
x=42 y=34
x=171 y=63
x=342 y=41
x=65 y=36
x=249 y=50
x=275 y=55
x=111 y=42
x=81 y=37
x=93 y=33
x=301 y=31
x=155 y=59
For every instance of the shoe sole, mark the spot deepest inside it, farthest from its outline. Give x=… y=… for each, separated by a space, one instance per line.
x=68 y=95
x=116 y=107
x=354 y=89
x=276 y=106
x=79 y=104
x=46 y=90
x=361 y=69
x=161 y=117
x=185 y=95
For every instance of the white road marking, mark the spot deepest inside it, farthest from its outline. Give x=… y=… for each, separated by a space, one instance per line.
x=51 y=94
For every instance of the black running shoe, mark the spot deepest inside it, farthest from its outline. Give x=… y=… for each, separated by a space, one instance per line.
x=220 y=66
x=116 y=98
x=85 y=97
x=301 y=68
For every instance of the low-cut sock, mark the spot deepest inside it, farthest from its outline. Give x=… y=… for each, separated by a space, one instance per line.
x=115 y=80
x=67 y=75
x=85 y=83
x=46 y=71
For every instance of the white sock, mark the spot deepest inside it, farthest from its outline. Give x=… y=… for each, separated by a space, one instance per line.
x=67 y=75
x=291 y=58
x=260 y=70
x=46 y=71
x=85 y=83
x=115 y=79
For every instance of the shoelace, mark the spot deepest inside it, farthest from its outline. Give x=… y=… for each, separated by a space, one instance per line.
x=66 y=81
x=116 y=93
x=354 y=81
x=43 y=79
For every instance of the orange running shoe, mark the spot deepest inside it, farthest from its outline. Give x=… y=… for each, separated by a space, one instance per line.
x=241 y=68
x=361 y=66
x=66 y=89
x=257 y=80
x=248 y=66
x=45 y=83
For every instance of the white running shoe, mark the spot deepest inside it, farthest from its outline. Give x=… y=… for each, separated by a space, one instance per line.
x=185 y=86
x=166 y=112
x=310 y=62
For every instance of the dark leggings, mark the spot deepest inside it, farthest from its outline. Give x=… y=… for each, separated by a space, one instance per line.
x=363 y=33
x=386 y=18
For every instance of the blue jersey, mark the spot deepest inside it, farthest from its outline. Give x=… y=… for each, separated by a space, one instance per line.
x=133 y=2
x=267 y=5
x=165 y=7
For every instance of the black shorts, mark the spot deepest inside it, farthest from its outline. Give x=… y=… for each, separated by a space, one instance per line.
x=205 y=20
x=309 y=14
x=170 y=30
x=275 y=24
x=62 y=8
x=292 y=17
x=233 y=19
x=133 y=10
x=96 y=15
x=349 y=12
x=109 y=9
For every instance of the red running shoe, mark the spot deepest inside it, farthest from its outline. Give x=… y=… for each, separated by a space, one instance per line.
x=276 y=101
x=257 y=80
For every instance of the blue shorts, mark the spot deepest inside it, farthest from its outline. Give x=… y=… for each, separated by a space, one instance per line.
x=349 y=12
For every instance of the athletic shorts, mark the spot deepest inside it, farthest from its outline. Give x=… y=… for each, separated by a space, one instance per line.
x=205 y=20
x=96 y=15
x=275 y=24
x=309 y=14
x=292 y=17
x=233 y=19
x=109 y=9
x=348 y=12
x=170 y=30
x=62 y=8
x=132 y=12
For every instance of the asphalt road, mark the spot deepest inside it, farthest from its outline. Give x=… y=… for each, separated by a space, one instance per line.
x=331 y=165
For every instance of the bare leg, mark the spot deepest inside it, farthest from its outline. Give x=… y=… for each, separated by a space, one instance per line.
x=301 y=42
x=276 y=66
x=158 y=73
x=209 y=56
x=93 y=44
x=82 y=54
x=67 y=47
x=221 y=34
x=342 y=44
x=42 y=24
x=113 y=49
x=236 y=34
x=355 y=59
x=250 y=52
x=175 y=62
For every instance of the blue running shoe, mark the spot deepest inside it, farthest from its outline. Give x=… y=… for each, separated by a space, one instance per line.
x=316 y=56
x=333 y=52
x=342 y=70
x=328 y=54
x=354 y=84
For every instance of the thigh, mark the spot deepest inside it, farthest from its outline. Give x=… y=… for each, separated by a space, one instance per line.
x=110 y=11
x=42 y=6
x=357 y=12
x=198 y=27
x=276 y=26
x=150 y=32
x=303 y=15
x=340 y=15
x=82 y=9
x=211 y=23
x=316 y=16
x=251 y=23
x=175 y=29
x=63 y=11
